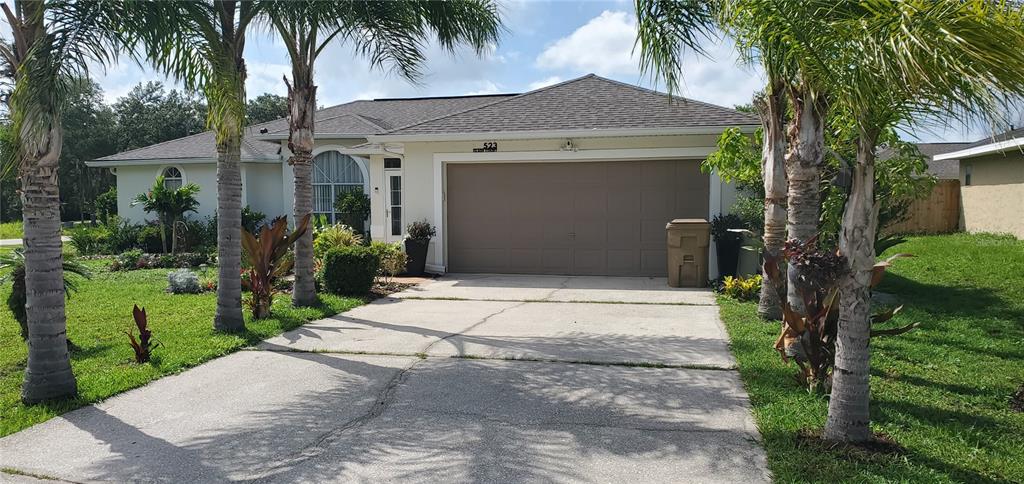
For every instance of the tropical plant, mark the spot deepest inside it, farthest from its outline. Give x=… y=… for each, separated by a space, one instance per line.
x=888 y=63
x=387 y=32
x=106 y=204
x=169 y=205
x=421 y=230
x=809 y=334
x=202 y=44
x=144 y=344
x=265 y=257
x=336 y=235
x=742 y=288
x=353 y=206
x=52 y=44
x=13 y=263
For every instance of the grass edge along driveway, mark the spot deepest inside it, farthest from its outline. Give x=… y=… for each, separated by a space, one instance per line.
x=941 y=392
x=100 y=312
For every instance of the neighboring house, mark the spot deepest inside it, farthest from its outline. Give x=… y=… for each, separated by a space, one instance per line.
x=992 y=183
x=944 y=169
x=575 y=178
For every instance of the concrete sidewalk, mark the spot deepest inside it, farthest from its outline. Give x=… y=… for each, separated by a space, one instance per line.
x=283 y=413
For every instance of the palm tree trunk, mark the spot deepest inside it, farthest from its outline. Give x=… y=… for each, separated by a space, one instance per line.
x=771 y=107
x=174 y=235
x=48 y=373
x=302 y=109
x=229 y=232
x=848 y=416
x=163 y=233
x=804 y=161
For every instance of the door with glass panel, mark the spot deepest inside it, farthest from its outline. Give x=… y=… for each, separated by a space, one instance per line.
x=395 y=220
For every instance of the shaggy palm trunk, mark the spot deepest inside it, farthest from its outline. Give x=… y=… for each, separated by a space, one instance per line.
x=848 y=417
x=804 y=161
x=48 y=373
x=302 y=109
x=163 y=233
x=229 y=230
x=771 y=108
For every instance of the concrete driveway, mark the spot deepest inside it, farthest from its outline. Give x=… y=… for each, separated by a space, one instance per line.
x=557 y=379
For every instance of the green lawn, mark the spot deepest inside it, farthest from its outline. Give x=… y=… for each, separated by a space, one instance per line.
x=942 y=392
x=11 y=230
x=98 y=314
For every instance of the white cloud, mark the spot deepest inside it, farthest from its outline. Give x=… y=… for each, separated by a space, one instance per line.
x=266 y=77
x=487 y=87
x=545 y=82
x=604 y=45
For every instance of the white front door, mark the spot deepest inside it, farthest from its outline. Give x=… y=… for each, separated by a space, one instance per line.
x=395 y=227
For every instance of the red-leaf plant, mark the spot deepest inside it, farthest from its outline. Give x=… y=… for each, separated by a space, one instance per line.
x=266 y=263
x=809 y=337
x=144 y=345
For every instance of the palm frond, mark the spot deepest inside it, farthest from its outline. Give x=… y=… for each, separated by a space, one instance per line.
x=666 y=31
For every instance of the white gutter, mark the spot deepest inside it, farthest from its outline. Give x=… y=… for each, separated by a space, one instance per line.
x=555 y=134
x=284 y=136
x=170 y=161
x=976 y=151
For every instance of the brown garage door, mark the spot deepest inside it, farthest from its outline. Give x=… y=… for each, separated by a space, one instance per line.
x=602 y=218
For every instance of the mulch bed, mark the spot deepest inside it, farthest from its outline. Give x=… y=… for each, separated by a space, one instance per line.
x=384 y=290
x=881 y=446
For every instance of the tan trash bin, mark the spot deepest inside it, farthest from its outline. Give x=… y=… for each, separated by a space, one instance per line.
x=688 y=241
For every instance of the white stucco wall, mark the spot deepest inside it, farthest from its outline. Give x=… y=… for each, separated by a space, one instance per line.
x=262 y=182
x=133 y=180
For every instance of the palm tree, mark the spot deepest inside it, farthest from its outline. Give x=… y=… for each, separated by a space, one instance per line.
x=888 y=63
x=170 y=207
x=52 y=44
x=202 y=44
x=387 y=32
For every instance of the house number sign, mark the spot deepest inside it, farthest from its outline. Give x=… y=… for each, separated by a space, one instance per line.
x=489 y=146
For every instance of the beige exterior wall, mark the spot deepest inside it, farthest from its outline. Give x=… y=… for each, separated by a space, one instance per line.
x=994 y=201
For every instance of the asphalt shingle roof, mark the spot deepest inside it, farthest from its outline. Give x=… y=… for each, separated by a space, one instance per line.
x=590 y=102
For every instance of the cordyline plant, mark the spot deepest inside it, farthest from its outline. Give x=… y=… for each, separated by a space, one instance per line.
x=809 y=334
x=144 y=345
x=266 y=261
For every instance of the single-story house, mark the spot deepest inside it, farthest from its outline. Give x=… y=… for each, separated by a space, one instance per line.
x=992 y=183
x=575 y=178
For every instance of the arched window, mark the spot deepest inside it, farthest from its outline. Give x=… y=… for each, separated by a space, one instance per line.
x=333 y=174
x=173 y=178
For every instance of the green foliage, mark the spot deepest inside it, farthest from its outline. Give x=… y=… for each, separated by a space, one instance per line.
x=737 y=159
x=420 y=230
x=90 y=240
x=12 y=265
x=332 y=236
x=392 y=259
x=144 y=345
x=170 y=205
x=266 y=261
x=750 y=211
x=266 y=107
x=349 y=270
x=354 y=208
x=98 y=314
x=106 y=204
x=136 y=259
x=252 y=220
x=742 y=288
x=149 y=114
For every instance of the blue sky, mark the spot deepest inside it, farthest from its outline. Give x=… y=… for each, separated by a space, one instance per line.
x=545 y=42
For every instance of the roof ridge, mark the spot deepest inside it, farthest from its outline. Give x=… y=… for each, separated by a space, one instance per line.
x=158 y=144
x=669 y=96
x=499 y=101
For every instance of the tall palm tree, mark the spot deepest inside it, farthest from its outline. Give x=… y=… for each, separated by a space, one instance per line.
x=890 y=62
x=387 y=32
x=52 y=44
x=202 y=43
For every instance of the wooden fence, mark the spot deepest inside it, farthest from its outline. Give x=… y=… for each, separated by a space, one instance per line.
x=937 y=214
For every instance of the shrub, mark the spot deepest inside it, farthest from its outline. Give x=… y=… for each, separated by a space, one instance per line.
x=252 y=220
x=349 y=270
x=332 y=236
x=136 y=259
x=183 y=281
x=354 y=208
x=90 y=240
x=742 y=288
x=144 y=345
x=721 y=225
x=421 y=230
x=122 y=235
x=149 y=238
x=106 y=204
x=392 y=259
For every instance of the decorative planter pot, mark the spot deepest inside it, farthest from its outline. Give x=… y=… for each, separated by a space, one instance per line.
x=416 y=251
x=728 y=252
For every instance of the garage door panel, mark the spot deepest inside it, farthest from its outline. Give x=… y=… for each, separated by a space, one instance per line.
x=601 y=218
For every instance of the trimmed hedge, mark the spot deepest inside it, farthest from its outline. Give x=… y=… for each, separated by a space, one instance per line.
x=349 y=270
